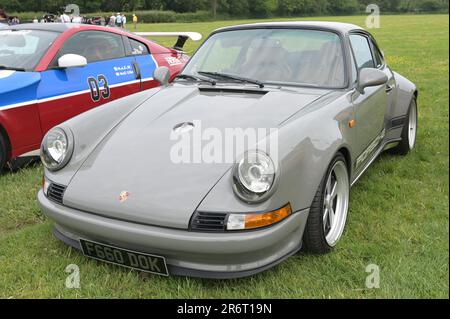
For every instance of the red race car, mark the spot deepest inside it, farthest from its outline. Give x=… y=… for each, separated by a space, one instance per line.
x=52 y=72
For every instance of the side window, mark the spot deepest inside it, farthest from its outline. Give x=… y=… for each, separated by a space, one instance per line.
x=377 y=55
x=138 y=48
x=95 y=46
x=354 y=70
x=363 y=53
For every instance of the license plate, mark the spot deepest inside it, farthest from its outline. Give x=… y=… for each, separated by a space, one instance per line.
x=126 y=258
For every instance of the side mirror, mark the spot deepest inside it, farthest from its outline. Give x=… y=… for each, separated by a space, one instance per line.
x=370 y=77
x=71 y=61
x=162 y=75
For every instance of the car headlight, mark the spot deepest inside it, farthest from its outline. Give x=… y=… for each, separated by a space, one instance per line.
x=254 y=176
x=57 y=148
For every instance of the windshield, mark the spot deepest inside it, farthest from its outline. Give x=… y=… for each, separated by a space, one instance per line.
x=273 y=56
x=24 y=49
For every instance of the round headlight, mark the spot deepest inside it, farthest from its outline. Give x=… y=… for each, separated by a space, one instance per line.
x=56 y=149
x=255 y=174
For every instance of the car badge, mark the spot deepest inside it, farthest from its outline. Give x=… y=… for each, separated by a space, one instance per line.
x=183 y=127
x=124 y=196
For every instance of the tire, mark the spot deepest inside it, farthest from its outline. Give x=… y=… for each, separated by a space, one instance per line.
x=3 y=153
x=409 y=132
x=322 y=233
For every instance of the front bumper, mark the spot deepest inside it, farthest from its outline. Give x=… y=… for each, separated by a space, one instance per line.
x=194 y=254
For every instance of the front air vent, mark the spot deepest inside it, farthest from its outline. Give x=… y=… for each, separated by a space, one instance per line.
x=218 y=90
x=56 y=192
x=398 y=121
x=208 y=221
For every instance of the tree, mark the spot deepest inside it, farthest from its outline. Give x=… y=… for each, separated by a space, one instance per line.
x=234 y=7
x=154 y=4
x=214 y=5
x=185 y=5
x=343 y=6
x=302 y=7
x=431 y=5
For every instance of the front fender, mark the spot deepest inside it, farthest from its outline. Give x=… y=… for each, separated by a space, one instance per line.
x=406 y=91
x=307 y=144
x=91 y=127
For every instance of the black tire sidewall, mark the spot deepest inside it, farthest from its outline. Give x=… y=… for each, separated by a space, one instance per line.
x=313 y=243
x=3 y=153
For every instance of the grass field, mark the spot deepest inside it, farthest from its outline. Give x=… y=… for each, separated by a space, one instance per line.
x=398 y=218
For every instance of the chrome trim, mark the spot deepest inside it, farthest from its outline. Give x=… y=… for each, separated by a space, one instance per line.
x=34 y=153
x=370 y=149
x=377 y=153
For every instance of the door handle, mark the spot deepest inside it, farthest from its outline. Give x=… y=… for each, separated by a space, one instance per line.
x=137 y=71
x=389 y=88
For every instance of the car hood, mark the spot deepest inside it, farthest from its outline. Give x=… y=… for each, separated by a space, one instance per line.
x=130 y=175
x=18 y=87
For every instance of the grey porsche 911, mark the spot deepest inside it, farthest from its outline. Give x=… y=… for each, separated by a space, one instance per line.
x=134 y=183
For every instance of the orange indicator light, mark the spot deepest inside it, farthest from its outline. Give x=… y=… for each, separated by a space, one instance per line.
x=253 y=221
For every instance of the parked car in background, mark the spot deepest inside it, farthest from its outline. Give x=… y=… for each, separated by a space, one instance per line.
x=50 y=18
x=95 y=20
x=3 y=17
x=50 y=72
x=322 y=91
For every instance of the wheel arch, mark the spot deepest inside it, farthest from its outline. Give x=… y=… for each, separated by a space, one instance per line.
x=407 y=91
x=348 y=158
x=4 y=134
x=415 y=96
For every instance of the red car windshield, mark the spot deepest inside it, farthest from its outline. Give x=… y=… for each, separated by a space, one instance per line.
x=23 y=49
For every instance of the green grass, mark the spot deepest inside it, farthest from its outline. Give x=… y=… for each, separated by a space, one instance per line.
x=398 y=218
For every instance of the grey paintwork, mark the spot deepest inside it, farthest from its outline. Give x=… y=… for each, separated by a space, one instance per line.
x=125 y=146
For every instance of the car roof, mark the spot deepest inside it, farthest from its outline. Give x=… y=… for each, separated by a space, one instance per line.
x=71 y=28
x=338 y=27
x=56 y=27
x=62 y=27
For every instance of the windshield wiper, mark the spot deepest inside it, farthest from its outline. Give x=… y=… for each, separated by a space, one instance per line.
x=196 y=78
x=3 y=67
x=232 y=77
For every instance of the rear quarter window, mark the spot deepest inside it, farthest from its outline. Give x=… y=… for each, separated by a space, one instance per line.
x=138 y=48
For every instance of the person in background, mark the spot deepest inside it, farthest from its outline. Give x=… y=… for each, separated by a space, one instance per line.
x=135 y=21
x=119 y=20
x=77 y=19
x=112 y=21
x=124 y=21
x=15 y=21
x=65 y=18
x=35 y=20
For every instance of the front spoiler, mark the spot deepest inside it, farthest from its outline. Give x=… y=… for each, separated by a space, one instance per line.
x=188 y=272
x=206 y=255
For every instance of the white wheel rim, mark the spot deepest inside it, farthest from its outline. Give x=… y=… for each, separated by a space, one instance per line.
x=412 y=126
x=335 y=203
